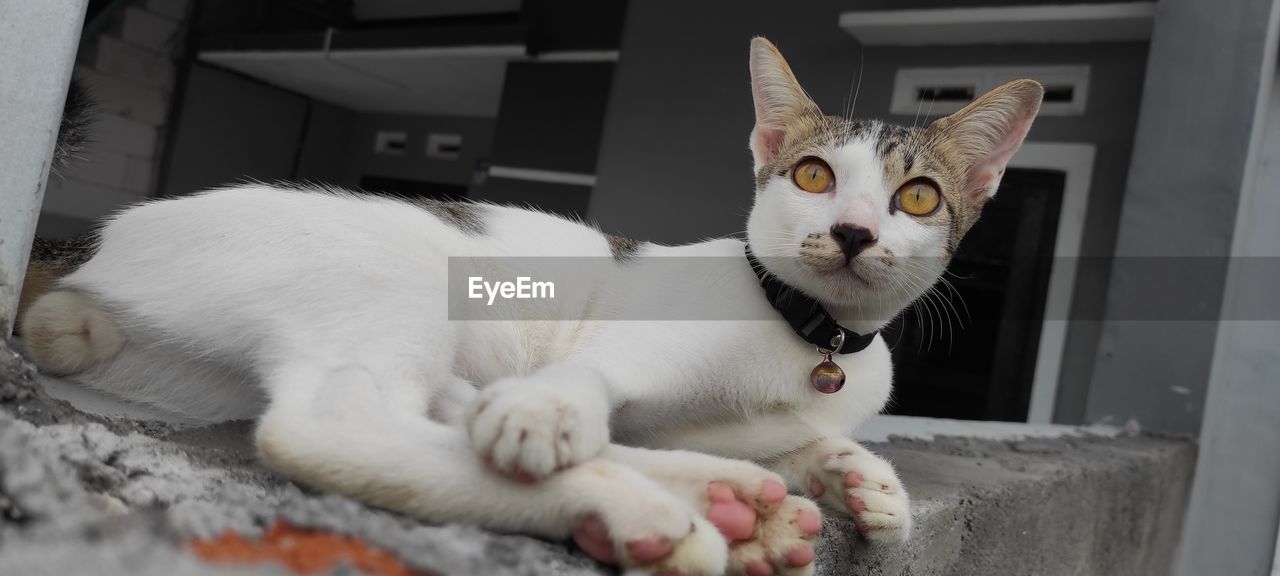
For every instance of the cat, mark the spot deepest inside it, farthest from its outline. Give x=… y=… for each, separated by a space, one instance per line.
x=654 y=444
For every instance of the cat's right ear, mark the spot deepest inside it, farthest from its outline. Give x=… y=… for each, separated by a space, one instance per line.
x=779 y=100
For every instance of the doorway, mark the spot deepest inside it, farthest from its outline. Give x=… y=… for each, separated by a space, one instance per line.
x=970 y=351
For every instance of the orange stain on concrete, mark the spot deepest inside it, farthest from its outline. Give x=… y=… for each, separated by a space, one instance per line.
x=301 y=551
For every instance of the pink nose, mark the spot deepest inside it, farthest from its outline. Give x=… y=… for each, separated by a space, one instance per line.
x=852 y=239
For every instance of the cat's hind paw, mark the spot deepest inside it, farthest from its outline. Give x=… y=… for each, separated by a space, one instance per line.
x=699 y=550
x=769 y=532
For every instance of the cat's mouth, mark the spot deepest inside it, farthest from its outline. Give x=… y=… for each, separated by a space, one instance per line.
x=829 y=262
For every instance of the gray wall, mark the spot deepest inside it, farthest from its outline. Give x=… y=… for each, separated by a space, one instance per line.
x=325 y=143
x=1209 y=62
x=230 y=127
x=1233 y=517
x=360 y=160
x=680 y=112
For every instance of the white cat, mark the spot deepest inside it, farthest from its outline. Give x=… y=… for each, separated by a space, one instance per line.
x=323 y=315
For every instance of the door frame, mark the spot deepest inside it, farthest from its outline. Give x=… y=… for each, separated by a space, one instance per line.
x=1075 y=159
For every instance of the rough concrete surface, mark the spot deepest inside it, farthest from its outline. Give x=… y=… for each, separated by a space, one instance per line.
x=84 y=494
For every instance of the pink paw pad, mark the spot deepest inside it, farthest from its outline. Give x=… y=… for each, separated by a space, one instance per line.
x=799 y=556
x=852 y=479
x=758 y=568
x=733 y=517
x=856 y=504
x=592 y=536
x=649 y=550
x=809 y=522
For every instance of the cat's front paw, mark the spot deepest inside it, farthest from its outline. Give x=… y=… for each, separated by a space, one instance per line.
x=527 y=429
x=849 y=478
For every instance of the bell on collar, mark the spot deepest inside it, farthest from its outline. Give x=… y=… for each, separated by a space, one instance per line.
x=827 y=377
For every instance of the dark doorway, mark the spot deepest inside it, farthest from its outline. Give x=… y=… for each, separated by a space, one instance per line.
x=413 y=188
x=970 y=351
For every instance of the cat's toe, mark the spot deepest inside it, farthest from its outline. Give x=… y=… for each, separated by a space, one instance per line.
x=782 y=543
x=883 y=518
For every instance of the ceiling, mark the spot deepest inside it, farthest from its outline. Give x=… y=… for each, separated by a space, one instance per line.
x=1042 y=24
x=445 y=81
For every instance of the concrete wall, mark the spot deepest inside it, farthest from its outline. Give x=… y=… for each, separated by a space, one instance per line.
x=1195 y=135
x=1234 y=517
x=128 y=70
x=680 y=112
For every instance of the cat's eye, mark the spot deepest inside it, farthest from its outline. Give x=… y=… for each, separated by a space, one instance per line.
x=813 y=175
x=919 y=197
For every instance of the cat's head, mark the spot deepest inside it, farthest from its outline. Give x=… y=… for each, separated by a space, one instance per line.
x=864 y=215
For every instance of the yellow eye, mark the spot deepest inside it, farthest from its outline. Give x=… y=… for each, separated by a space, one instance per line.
x=918 y=197
x=812 y=175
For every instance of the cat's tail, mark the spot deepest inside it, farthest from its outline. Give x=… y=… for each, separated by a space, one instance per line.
x=63 y=331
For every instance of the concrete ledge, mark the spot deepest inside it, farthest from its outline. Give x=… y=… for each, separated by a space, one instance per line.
x=1084 y=505
x=122 y=496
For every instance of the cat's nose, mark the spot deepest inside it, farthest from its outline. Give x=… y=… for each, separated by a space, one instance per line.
x=852 y=239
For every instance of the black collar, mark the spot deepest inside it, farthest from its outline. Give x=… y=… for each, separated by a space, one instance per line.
x=806 y=316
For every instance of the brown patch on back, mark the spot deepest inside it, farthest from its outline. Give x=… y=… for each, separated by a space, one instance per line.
x=467 y=217
x=623 y=248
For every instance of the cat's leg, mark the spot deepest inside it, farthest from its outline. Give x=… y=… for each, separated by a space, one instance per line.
x=357 y=428
x=847 y=477
x=529 y=427
x=770 y=532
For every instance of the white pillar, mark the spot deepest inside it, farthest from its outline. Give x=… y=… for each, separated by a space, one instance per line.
x=38 y=41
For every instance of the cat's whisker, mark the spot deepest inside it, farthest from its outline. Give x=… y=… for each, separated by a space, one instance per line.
x=952 y=289
x=857 y=87
x=947 y=312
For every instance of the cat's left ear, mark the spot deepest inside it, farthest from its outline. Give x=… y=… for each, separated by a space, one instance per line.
x=986 y=134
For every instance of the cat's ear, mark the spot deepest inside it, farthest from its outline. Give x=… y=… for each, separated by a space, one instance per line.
x=779 y=99
x=986 y=134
